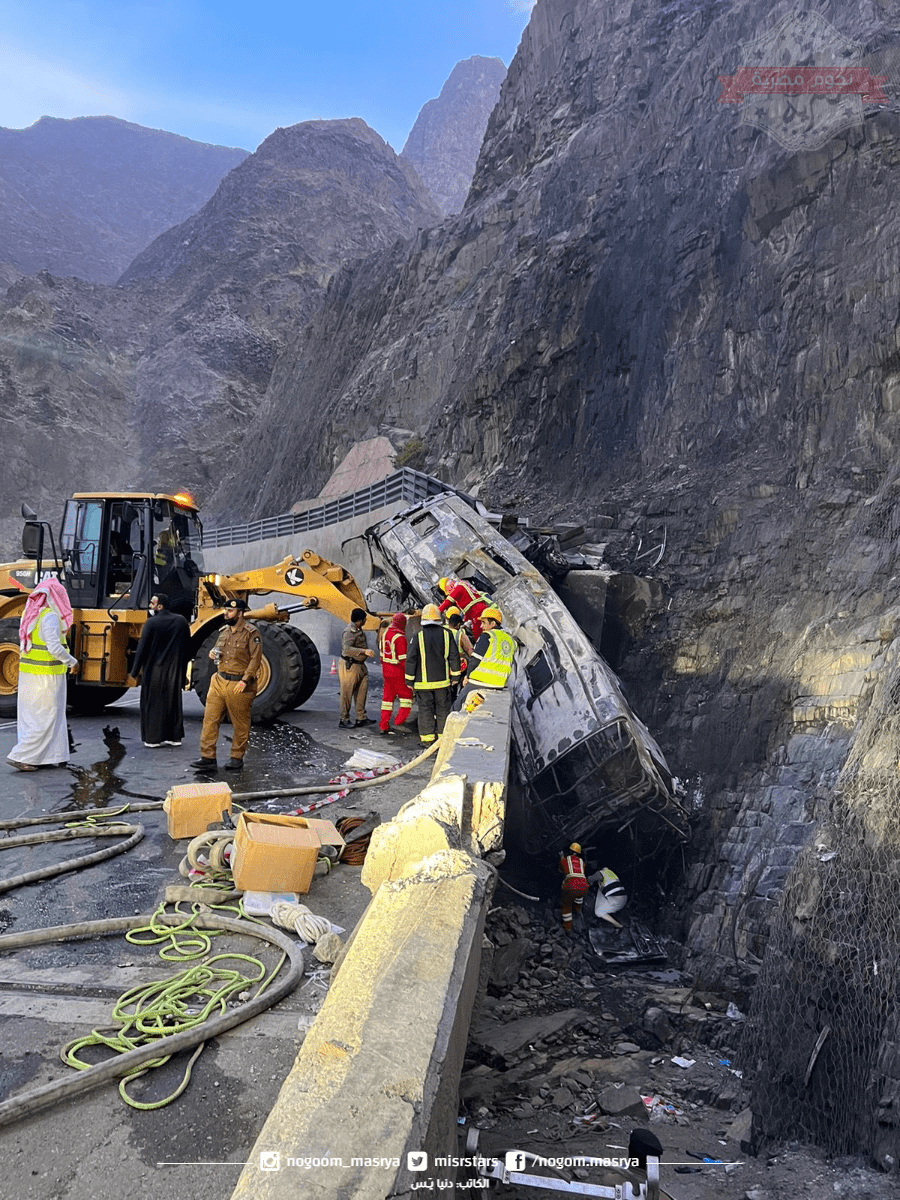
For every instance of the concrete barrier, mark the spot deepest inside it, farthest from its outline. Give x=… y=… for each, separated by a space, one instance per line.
x=377 y=1076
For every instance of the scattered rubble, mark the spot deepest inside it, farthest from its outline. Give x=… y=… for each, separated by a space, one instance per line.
x=564 y=1048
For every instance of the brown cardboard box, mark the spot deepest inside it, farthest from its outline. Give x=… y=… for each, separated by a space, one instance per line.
x=278 y=854
x=191 y=807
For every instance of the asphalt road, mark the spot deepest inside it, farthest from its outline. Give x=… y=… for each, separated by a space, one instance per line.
x=95 y=1145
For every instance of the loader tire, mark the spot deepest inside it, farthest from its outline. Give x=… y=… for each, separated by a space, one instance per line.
x=280 y=672
x=9 y=666
x=203 y=668
x=312 y=664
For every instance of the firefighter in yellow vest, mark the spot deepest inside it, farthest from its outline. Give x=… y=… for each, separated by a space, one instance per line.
x=454 y=619
x=432 y=666
x=574 y=885
x=492 y=658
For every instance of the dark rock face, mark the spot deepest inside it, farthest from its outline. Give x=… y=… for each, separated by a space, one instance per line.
x=82 y=197
x=650 y=312
x=444 y=142
x=611 y=262
x=163 y=372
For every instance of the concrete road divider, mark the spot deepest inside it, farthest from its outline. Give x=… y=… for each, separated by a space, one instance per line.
x=374 y=1089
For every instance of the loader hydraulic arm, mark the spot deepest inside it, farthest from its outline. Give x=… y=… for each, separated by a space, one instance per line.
x=320 y=583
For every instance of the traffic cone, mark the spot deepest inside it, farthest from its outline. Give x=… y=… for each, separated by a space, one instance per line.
x=334 y=666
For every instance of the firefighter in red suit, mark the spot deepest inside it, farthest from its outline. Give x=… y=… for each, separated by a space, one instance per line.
x=574 y=885
x=393 y=666
x=470 y=602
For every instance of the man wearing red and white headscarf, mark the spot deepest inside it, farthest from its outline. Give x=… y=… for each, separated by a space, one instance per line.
x=43 y=739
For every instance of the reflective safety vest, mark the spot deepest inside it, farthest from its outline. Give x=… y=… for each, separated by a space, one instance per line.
x=463 y=661
x=494 y=668
x=394 y=650
x=610 y=883
x=441 y=676
x=574 y=878
x=39 y=660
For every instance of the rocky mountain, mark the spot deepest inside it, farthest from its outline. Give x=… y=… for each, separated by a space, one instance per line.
x=443 y=143
x=152 y=383
x=83 y=197
x=653 y=314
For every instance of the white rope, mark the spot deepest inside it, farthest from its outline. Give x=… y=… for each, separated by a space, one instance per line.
x=298 y=917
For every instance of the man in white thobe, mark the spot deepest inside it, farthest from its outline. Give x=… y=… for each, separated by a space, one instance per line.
x=44 y=660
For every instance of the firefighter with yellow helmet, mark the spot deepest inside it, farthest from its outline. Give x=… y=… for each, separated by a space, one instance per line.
x=432 y=667
x=574 y=885
x=492 y=657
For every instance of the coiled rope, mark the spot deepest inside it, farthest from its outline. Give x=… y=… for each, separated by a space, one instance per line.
x=354 y=853
x=129 y=1062
x=299 y=918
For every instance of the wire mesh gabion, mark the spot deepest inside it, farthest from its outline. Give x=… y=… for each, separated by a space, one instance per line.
x=821 y=1041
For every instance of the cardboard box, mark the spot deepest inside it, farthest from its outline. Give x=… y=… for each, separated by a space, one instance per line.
x=191 y=807
x=278 y=854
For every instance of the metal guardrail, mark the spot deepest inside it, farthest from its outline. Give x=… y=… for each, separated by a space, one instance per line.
x=404 y=487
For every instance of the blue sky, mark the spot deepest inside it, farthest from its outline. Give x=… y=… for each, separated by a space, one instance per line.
x=227 y=72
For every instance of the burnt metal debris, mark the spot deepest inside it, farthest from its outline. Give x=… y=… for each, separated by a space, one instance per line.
x=585 y=760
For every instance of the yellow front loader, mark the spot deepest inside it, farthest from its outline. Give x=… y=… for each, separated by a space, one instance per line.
x=116 y=550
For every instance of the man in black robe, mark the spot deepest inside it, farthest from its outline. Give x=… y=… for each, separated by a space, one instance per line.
x=160 y=664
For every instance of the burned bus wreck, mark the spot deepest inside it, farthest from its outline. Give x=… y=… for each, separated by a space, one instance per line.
x=584 y=760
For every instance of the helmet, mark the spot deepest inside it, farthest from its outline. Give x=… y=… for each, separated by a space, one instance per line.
x=453 y=611
x=445 y=584
x=493 y=614
x=575 y=848
x=431 y=612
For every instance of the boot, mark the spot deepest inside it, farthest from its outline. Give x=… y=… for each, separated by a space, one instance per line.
x=205 y=764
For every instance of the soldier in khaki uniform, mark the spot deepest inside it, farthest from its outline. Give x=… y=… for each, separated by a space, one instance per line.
x=238 y=653
x=354 y=676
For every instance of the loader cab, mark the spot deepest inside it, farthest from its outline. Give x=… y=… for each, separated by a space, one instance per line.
x=120 y=549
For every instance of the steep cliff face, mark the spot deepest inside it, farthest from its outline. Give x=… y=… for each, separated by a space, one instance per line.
x=152 y=383
x=654 y=315
x=83 y=197
x=443 y=143
x=626 y=245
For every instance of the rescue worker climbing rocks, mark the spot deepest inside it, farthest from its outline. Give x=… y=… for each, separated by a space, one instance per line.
x=432 y=666
x=238 y=654
x=574 y=885
x=393 y=666
x=611 y=895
